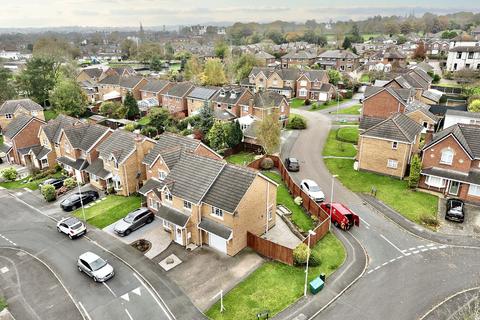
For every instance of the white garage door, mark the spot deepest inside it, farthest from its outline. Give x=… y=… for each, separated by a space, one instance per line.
x=217 y=242
x=323 y=96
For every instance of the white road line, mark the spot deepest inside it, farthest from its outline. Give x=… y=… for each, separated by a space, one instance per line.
x=391 y=260
x=392 y=244
x=430 y=245
x=442 y=247
x=412 y=248
x=376 y=268
x=423 y=250
x=384 y=264
x=367 y=227
x=416 y=251
x=370 y=271
x=154 y=297
x=400 y=257
x=128 y=314
x=109 y=289
x=407 y=254
x=433 y=248
x=368 y=224
x=84 y=310
x=420 y=247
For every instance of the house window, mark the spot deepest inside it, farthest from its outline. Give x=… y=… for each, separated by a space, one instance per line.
x=245 y=108
x=303 y=83
x=66 y=146
x=115 y=163
x=470 y=55
x=474 y=190
x=150 y=202
x=34 y=113
x=282 y=108
x=117 y=184
x=168 y=196
x=425 y=124
x=394 y=145
x=447 y=157
x=435 y=182
x=217 y=212
x=187 y=205
x=393 y=164
x=270 y=213
x=161 y=175
x=44 y=162
x=302 y=92
x=8 y=116
x=93 y=177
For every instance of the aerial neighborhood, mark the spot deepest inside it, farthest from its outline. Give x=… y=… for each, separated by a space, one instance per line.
x=241 y=170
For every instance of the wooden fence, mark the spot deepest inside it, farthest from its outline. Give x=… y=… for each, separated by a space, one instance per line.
x=270 y=249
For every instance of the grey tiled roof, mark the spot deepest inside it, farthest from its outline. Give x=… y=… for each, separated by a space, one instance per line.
x=467 y=135
x=174 y=216
x=230 y=187
x=313 y=75
x=54 y=127
x=10 y=106
x=465 y=49
x=155 y=86
x=17 y=124
x=368 y=122
x=223 y=115
x=168 y=145
x=432 y=95
x=400 y=94
x=110 y=80
x=338 y=54
x=202 y=93
x=40 y=151
x=78 y=164
x=93 y=72
x=299 y=55
x=97 y=168
x=263 y=55
x=225 y=94
x=398 y=127
x=5 y=147
x=84 y=136
x=267 y=99
x=215 y=228
x=180 y=89
x=130 y=82
x=150 y=185
x=473 y=176
x=418 y=105
x=120 y=144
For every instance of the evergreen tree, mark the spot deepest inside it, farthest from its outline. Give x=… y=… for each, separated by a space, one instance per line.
x=132 y=106
x=206 y=118
x=415 y=169
x=235 y=134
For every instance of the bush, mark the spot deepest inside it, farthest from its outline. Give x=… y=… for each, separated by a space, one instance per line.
x=300 y=254
x=69 y=183
x=266 y=164
x=429 y=221
x=43 y=174
x=297 y=123
x=436 y=78
x=130 y=127
x=314 y=259
x=48 y=192
x=307 y=102
x=348 y=95
x=58 y=167
x=149 y=131
x=10 y=174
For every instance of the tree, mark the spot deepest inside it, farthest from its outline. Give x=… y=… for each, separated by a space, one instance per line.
x=8 y=90
x=168 y=51
x=392 y=28
x=415 y=169
x=149 y=131
x=356 y=37
x=113 y=110
x=406 y=27
x=48 y=192
x=156 y=63
x=55 y=47
x=38 y=78
x=68 y=98
x=217 y=136
x=128 y=48
x=268 y=133
x=275 y=36
x=193 y=70
x=9 y=174
x=147 y=51
x=334 y=76
x=131 y=106
x=221 y=49
x=420 y=52
x=205 y=118
x=159 y=118
x=474 y=106
x=235 y=134
x=347 y=43
x=244 y=65
x=213 y=73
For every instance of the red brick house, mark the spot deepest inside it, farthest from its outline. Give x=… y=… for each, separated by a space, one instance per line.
x=382 y=102
x=175 y=98
x=313 y=85
x=451 y=162
x=154 y=89
x=300 y=58
x=234 y=99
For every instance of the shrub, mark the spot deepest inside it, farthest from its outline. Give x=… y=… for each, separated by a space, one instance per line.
x=436 y=78
x=429 y=221
x=130 y=127
x=307 y=102
x=297 y=123
x=48 y=192
x=69 y=183
x=314 y=259
x=149 y=131
x=348 y=94
x=300 y=254
x=266 y=164
x=9 y=174
x=58 y=167
x=43 y=174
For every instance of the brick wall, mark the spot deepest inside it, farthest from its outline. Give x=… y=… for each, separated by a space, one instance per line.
x=381 y=105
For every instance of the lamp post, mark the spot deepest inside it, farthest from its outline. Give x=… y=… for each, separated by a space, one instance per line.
x=81 y=201
x=338 y=106
x=331 y=201
x=310 y=233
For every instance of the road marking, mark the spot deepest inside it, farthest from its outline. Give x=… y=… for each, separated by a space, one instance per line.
x=442 y=247
x=84 y=310
x=423 y=250
x=376 y=268
x=433 y=248
x=430 y=245
x=137 y=291
x=392 y=244
x=154 y=297
x=420 y=247
x=361 y=219
x=391 y=260
x=407 y=254
x=4 y=270
x=367 y=227
x=370 y=271
x=384 y=264
x=416 y=251
x=400 y=257
x=412 y=248
x=8 y=240
x=128 y=314
x=109 y=289
x=125 y=297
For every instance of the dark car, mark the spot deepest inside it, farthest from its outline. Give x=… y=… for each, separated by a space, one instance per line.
x=455 y=210
x=57 y=183
x=75 y=201
x=133 y=221
x=292 y=164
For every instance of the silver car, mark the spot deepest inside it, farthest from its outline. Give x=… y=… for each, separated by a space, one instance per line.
x=95 y=267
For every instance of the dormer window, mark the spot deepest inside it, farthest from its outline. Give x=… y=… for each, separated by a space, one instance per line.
x=394 y=145
x=9 y=116
x=447 y=157
x=233 y=95
x=222 y=94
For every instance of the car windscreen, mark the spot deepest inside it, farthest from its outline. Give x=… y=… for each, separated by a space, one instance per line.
x=98 y=264
x=129 y=218
x=314 y=189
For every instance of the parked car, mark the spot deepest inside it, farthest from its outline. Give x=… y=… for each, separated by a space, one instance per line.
x=292 y=164
x=313 y=190
x=72 y=227
x=95 y=267
x=75 y=201
x=341 y=216
x=57 y=183
x=455 y=210
x=134 y=220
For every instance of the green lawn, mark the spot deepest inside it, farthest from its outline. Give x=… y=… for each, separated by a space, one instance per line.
x=50 y=114
x=364 y=78
x=242 y=158
x=348 y=134
x=334 y=147
x=296 y=103
x=25 y=183
x=346 y=123
x=144 y=121
x=355 y=109
x=109 y=210
x=299 y=217
x=3 y=303
x=274 y=285
x=393 y=192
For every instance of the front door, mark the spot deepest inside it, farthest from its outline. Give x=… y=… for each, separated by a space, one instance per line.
x=454 y=186
x=179 y=235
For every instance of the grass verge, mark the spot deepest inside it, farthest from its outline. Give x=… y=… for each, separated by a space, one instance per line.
x=25 y=183
x=109 y=210
x=355 y=110
x=336 y=148
x=299 y=217
x=274 y=285
x=296 y=103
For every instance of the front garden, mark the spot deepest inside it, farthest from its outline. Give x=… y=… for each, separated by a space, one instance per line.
x=353 y=110
x=341 y=142
x=31 y=182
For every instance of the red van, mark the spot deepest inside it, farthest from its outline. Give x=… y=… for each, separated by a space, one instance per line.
x=342 y=217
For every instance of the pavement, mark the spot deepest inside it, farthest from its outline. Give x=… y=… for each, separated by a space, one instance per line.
x=409 y=268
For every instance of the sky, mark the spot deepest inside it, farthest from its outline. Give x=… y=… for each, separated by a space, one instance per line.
x=121 y=13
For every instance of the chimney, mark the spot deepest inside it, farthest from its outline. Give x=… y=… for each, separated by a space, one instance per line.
x=428 y=136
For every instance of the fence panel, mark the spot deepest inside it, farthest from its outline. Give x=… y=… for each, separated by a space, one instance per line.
x=270 y=249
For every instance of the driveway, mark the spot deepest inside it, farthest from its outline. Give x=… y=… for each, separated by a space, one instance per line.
x=153 y=232
x=281 y=234
x=470 y=227
x=205 y=271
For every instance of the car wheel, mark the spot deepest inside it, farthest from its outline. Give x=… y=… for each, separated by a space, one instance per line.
x=70 y=236
x=58 y=229
x=74 y=208
x=94 y=198
x=80 y=269
x=95 y=279
x=335 y=223
x=149 y=220
x=127 y=232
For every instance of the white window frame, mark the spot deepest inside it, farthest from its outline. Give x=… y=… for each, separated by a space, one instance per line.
x=302 y=92
x=168 y=197
x=93 y=177
x=187 y=205
x=394 y=145
x=217 y=212
x=161 y=175
x=474 y=190
x=67 y=148
x=392 y=164
x=303 y=83
x=447 y=161
x=166 y=224
x=270 y=213
x=440 y=184
x=245 y=108
x=34 y=113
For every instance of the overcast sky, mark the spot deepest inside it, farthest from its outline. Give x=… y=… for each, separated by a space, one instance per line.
x=47 y=13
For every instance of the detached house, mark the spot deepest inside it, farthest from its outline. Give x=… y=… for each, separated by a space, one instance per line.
x=341 y=60
x=20 y=137
x=265 y=58
x=119 y=164
x=282 y=81
x=199 y=97
x=11 y=109
x=174 y=99
x=415 y=78
x=116 y=87
x=77 y=147
x=382 y=102
x=314 y=85
x=233 y=99
x=154 y=89
x=388 y=146
x=451 y=163
x=205 y=201
x=265 y=103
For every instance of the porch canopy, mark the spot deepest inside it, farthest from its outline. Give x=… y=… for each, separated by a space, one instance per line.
x=173 y=216
x=215 y=228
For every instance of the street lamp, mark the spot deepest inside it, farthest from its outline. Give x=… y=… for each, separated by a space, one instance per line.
x=310 y=233
x=331 y=201
x=81 y=201
x=338 y=106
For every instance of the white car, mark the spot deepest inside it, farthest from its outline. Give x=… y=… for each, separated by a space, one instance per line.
x=313 y=190
x=72 y=227
x=95 y=267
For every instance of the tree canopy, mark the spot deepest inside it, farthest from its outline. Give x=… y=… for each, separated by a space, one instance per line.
x=268 y=133
x=213 y=73
x=68 y=98
x=38 y=78
x=131 y=106
x=7 y=91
